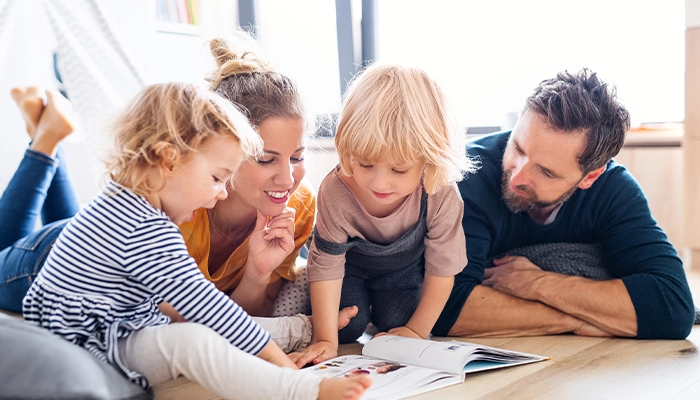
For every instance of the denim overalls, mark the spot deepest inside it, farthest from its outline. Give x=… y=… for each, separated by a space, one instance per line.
x=383 y=281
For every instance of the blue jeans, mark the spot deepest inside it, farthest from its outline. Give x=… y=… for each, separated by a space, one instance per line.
x=40 y=187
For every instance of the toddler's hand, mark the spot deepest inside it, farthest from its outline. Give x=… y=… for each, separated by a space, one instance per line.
x=273 y=354
x=316 y=353
x=400 y=331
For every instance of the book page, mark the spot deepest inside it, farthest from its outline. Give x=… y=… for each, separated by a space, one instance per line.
x=390 y=380
x=449 y=356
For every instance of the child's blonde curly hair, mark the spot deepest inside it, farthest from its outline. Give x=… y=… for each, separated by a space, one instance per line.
x=168 y=122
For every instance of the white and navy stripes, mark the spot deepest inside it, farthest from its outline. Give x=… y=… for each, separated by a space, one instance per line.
x=111 y=266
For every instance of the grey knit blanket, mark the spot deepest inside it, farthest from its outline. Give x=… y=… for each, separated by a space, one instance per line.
x=577 y=259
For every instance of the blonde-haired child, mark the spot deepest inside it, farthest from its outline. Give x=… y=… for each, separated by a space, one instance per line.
x=176 y=147
x=388 y=237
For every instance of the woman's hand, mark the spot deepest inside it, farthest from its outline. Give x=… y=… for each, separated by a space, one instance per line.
x=270 y=243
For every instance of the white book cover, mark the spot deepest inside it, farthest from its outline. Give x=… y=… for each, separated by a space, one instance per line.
x=401 y=367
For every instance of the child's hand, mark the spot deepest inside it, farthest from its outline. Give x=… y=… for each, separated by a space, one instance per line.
x=316 y=353
x=273 y=354
x=401 y=331
x=270 y=243
x=171 y=312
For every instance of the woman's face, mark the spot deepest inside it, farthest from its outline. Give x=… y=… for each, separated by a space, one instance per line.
x=267 y=183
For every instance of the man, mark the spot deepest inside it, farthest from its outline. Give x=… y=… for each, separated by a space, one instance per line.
x=551 y=181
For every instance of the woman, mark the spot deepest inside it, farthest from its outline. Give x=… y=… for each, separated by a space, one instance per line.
x=224 y=241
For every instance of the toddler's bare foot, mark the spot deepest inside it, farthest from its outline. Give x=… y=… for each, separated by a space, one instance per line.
x=55 y=124
x=31 y=104
x=344 y=317
x=344 y=388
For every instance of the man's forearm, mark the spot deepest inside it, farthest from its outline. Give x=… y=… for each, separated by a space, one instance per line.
x=604 y=304
x=488 y=312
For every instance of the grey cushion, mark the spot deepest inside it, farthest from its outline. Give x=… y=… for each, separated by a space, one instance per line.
x=35 y=364
x=578 y=259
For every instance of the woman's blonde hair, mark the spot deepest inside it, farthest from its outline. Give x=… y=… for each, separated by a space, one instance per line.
x=399 y=114
x=168 y=122
x=244 y=78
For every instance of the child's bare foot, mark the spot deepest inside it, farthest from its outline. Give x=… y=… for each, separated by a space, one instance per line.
x=344 y=317
x=344 y=388
x=30 y=101
x=55 y=124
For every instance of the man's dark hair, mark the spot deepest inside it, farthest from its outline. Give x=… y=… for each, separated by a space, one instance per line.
x=583 y=102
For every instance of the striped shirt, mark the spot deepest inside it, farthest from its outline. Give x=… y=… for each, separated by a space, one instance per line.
x=112 y=265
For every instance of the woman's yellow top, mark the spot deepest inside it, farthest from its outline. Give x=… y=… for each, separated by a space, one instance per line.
x=229 y=275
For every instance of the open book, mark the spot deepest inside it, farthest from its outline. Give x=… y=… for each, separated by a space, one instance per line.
x=401 y=367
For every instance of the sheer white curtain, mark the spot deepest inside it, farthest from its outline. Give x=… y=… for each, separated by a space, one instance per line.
x=7 y=23
x=97 y=71
x=95 y=67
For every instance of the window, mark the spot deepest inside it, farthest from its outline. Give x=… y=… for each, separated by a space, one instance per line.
x=299 y=38
x=488 y=56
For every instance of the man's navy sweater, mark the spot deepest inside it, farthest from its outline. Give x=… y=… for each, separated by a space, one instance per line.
x=613 y=212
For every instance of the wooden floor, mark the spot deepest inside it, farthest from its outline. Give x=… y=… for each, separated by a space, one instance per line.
x=580 y=368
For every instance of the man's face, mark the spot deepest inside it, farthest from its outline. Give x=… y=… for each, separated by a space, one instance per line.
x=540 y=165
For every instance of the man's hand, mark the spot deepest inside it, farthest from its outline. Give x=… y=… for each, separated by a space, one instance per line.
x=586 y=329
x=315 y=353
x=514 y=276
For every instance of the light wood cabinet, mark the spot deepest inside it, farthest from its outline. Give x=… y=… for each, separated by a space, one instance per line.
x=659 y=171
x=692 y=140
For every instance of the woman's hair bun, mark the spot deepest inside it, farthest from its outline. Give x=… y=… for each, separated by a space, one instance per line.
x=235 y=56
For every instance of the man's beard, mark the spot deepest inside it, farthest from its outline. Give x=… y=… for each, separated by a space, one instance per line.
x=517 y=203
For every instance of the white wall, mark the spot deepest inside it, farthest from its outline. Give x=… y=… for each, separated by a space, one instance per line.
x=692 y=13
x=171 y=55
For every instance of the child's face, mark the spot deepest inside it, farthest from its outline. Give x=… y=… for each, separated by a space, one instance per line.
x=384 y=183
x=200 y=181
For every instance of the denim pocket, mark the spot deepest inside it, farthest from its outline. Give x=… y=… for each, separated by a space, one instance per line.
x=15 y=278
x=26 y=256
x=37 y=239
